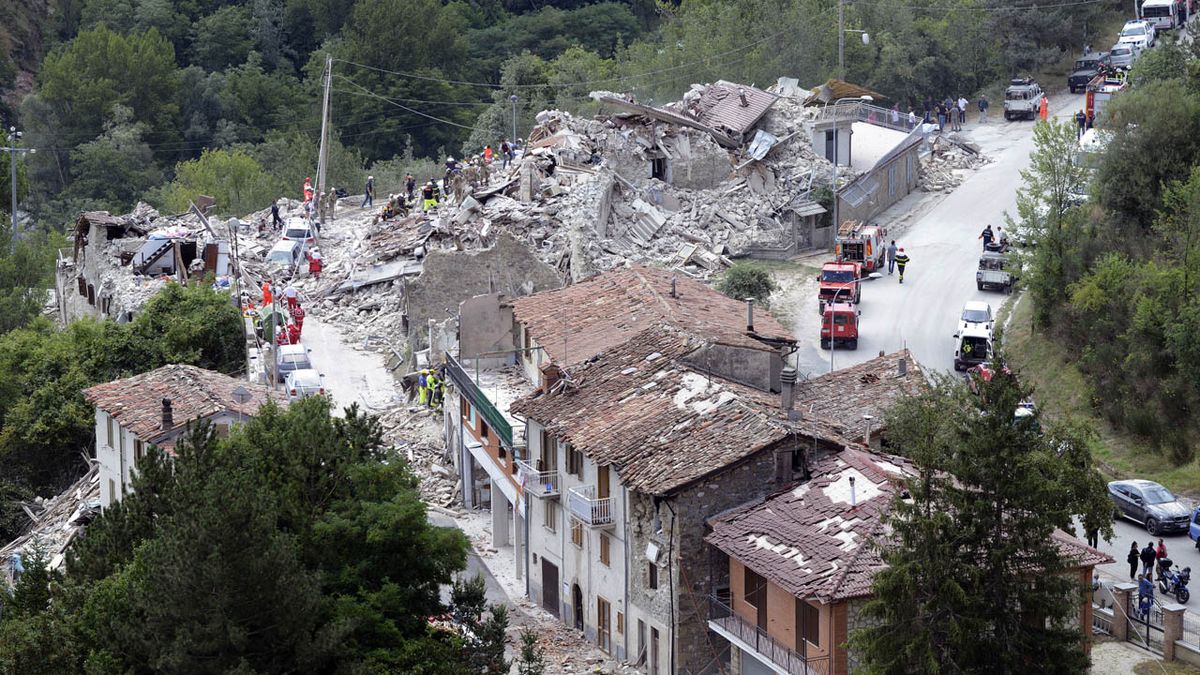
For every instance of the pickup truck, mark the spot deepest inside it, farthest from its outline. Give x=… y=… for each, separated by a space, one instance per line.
x=993 y=272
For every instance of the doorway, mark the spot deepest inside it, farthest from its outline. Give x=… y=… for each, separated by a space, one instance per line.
x=577 y=604
x=549 y=587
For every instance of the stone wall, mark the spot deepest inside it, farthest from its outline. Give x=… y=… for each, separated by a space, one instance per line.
x=855 y=619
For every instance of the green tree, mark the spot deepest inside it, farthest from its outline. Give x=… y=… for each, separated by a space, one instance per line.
x=532 y=660
x=746 y=280
x=973 y=553
x=232 y=177
x=113 y=171
x=223 y=38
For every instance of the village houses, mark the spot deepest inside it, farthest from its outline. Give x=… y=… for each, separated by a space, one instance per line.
x=156 y=408
x=604 y=423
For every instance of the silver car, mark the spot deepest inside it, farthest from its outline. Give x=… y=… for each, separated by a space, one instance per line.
x=1123 y=55
x=304 y=383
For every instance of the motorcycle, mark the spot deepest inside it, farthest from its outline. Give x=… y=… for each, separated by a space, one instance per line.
x=1172 y=582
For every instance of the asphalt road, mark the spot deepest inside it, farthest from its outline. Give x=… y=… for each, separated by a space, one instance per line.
x=942 y=241
x=1180 y=549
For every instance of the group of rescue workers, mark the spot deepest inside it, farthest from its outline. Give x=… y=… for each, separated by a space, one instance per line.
x=431 y=387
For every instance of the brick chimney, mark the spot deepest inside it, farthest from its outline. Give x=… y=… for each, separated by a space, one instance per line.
x=168 y=417
x=551 y=374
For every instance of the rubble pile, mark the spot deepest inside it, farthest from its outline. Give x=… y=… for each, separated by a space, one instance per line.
x=948 y=159
x=55 y=522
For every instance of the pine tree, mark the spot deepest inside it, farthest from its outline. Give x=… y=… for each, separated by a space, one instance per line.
x=975 y=581
x=532 y=661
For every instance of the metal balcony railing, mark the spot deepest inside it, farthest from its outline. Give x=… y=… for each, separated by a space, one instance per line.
x=542 y=484
x=721 y=617
x=586 y=506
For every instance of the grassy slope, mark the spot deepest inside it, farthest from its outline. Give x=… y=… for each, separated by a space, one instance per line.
x=1061 y=390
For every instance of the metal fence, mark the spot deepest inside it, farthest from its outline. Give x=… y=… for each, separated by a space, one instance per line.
x=775 y=651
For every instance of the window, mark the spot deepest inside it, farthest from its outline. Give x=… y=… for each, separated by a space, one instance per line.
x=603 y=624
x=574 y=462
x=550 y=516
x=112 y=490
x=641 y=640
x=658 y=168
x=577 y=533
x=808 y=625
x=620 y=623
x=484 y=432
x=110 y=431
x=755 y=590
x=908 y=168
x=526 y=344
x=654 y=670
x=652 y=576
x=549 y=456
x=91 y=294
x=892 y=180
x=605 y=552
x=139 y=451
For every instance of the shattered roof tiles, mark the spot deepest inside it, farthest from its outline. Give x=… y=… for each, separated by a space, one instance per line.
x=662 y=424
x=868 y=388
x=721 y=106
x=574 y=323
x=136 y=402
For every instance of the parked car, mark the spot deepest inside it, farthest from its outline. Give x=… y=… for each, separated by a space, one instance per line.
x=286 y=253
x=303 y=383
x=1148 y=503
x=299 y=229
x=976 y=313
x=289 y=358
x=1086 y=68
x=1138 y=32
x=1123 y=55
x=1023 y=98
x=972 y=346
x=995 y=271
x=1194 y=527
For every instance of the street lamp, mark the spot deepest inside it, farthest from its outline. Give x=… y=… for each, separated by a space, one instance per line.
x=836 y=139
x=13 y=137
x=832 y=342
x=842 y=30
x=513 y=98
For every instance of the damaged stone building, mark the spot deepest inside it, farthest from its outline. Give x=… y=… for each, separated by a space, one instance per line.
x=118 y=262
x=646 y=404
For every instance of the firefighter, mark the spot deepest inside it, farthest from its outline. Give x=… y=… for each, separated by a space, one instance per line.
x=429 y=195
x=901 y=262
x=433 y=384
x=315 y=263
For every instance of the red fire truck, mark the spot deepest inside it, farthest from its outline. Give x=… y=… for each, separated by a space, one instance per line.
x=1102 y=88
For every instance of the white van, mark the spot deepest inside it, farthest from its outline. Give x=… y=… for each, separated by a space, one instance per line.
x=1162 y=14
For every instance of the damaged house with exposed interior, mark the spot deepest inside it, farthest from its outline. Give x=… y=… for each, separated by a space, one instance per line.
x=604 y=424
x=117 y=263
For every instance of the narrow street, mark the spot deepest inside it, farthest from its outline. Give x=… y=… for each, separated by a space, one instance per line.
x=351 y=375
x=943 y=243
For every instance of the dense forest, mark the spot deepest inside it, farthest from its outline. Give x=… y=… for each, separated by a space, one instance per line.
x=164 y=99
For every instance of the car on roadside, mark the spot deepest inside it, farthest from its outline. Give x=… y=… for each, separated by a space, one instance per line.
x=299 y=229
x=1123 y=55
x=289 y=358
x=1022 y=98
x=1138 y=32
x=976 y=313
x=1149 y=504
x=1086 y=68
x=303 y=383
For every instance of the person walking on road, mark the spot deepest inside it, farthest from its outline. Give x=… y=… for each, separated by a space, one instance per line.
x=1148 y=557
x=1080 y=124
x=891 y=256
x=983 y=108
x=986 y=236
x=1132 y=559
x=901 y=261
x=369 y=193
x=1044 y=109
x=962 y=111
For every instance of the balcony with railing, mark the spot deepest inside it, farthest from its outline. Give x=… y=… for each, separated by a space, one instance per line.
x=727 y=623
x=593 y=511
x=540 y=484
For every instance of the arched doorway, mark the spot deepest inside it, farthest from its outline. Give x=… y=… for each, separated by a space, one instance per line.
x=577 y=603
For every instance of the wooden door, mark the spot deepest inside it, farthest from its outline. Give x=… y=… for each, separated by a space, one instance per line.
x=602 y=482
x=549 y=587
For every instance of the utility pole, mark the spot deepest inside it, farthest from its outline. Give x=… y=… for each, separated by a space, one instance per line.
x=13 y=137
x=323 y=154
x=513 y=98
x=841 y=71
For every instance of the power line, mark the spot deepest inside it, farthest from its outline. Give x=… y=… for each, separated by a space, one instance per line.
x=368 y=92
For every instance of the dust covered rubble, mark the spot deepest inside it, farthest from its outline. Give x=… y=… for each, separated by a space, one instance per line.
x=945 y=167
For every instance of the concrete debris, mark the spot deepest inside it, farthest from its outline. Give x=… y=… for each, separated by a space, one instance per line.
x=54 y=523
x=945 y=166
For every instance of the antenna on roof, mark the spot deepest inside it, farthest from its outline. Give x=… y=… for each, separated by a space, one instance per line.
x=674 y=291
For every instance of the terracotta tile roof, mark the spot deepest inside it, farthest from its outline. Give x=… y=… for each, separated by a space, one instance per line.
x=573 y=324
x=812 y=540
x=136 y=402
x=721 y=106
x=870 y=387
x=661 y=423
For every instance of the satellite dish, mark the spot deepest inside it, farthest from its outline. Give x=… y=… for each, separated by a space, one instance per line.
x=866 y=38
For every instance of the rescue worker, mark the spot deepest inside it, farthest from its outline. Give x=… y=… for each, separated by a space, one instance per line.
x=505 y=153
x=292 y=296
x=266 y=292
x=410 y=186
x=315 y=263
x=308 y=190
x=487 y=154
x=986 y=236
x=1044 y=109
x=276 y=221
x=293 y=333
x=429 y=195
x=1080 y=124
x=331 y=203
x=369 y=193
x=423 y=388
x=433 y=384
x=298 y=316
x=901 y=261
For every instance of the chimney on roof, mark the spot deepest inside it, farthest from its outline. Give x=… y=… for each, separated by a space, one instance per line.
x=168 y=417
x=853 y=494
x=749 y=315
x=674 y=290
x=787 y=387
x=902 y=367
x=551 y=374
x=742 y=96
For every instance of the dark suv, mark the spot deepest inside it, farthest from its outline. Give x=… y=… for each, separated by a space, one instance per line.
x=1085 y=69
x=1150 y=504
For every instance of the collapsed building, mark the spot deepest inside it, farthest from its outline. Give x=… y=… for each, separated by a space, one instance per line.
x=118 y=262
